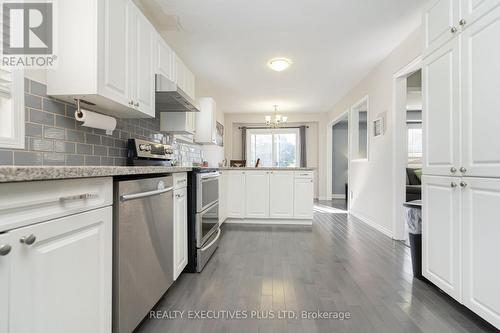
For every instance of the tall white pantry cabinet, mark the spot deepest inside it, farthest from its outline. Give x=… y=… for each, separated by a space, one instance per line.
x=461 y=164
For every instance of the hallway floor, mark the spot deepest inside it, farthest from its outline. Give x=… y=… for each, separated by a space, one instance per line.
x=338 y=265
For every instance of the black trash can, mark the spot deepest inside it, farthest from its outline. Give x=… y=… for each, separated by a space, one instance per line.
x=413 y=217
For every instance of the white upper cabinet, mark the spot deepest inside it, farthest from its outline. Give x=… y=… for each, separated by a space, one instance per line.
x=481 y=273
x=5 y=265
x=281 y=196
x=206 y=131
x=441 y=111
x=257 y=194
x=183 y=77
x=11 y=108
x=164 y=58
x=472 y=10
x=62 y=281
x=116 y=58
x=442 y=233
x=142 y=40
x=440 y=22
x=480 y=84
x=109 y=62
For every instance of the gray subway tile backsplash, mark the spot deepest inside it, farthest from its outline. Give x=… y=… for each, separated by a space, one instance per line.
x=54 y=137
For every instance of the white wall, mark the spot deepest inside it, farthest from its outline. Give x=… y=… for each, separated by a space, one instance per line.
x=371 y=182
x=315 y=139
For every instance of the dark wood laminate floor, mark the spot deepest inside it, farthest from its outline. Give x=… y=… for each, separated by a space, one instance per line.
x=338 y=264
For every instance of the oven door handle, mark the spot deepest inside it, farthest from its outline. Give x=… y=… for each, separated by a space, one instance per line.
x=209 y=176
x=206 y=247
x=127 y=197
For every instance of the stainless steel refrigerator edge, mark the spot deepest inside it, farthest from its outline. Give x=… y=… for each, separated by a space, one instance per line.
x=142 y=248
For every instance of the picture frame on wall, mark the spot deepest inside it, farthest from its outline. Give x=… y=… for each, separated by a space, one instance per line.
x=220 y=134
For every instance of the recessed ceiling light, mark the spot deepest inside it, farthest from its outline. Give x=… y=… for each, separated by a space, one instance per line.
x=279 y=64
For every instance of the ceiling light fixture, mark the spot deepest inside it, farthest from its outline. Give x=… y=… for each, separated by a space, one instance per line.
x=278 y=119
x=279 y=64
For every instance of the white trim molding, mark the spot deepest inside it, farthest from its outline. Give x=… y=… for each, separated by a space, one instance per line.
x=269 y=221
x=14 y=114
x=372 y=224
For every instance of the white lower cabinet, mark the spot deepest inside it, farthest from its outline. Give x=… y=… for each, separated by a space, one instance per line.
x=236 y=194
x=222 y=197
x=441 y=233
x=460 y=237
x=481 y=272
x=281 y=189
x=5 y=266
x=257 y=194
x=60 y=277
x=180 y=231
x=303 y=201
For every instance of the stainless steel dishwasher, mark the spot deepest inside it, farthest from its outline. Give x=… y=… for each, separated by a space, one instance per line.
x=142 y=248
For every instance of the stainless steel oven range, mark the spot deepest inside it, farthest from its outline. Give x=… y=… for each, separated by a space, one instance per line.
x=203 y=211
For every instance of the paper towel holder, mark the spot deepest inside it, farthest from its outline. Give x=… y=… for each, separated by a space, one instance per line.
x=78 y=108
x=79 y=113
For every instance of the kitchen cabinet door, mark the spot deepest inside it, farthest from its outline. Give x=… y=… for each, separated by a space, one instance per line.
x=61 y=278
x=222 y=197
x=441 y=111
x=236 y=194
x=481 y=290
x=5 y=264
x=473 y=10
x=440 y=20
x=281 y=194
x=480 y=82
x=142 y=35
x=303 y=198
x=257 y=194
x=180 y=231
x=115 y=71
x=164 y=58
x=442 y=233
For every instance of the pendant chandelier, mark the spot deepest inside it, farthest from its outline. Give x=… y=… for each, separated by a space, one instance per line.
x=277 y=121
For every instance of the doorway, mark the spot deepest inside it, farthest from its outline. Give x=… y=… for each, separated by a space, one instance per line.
x=407 y=141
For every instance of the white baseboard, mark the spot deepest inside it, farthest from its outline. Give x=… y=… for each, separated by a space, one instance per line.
x=323 y=198
x=372 y=224
x=338 y=196
x=269 y=221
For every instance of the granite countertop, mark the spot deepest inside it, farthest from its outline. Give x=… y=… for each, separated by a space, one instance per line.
x=267 y=168
x=29 y=173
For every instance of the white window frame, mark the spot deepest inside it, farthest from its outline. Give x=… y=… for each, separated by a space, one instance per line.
x=16 y=114
x=354 y=130
x=274 y=132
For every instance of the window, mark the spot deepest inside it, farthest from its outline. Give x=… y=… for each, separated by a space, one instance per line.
x=414 y=135
x=11 y=109
x=274 y=147
x=359 y=138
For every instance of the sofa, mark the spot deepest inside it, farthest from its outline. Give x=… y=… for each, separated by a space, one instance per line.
x=413 y=184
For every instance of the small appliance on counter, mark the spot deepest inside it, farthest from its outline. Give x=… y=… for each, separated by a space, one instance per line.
x=203 y=217
x=147 y=153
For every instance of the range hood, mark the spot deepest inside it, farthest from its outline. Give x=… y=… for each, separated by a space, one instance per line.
x=171 y=98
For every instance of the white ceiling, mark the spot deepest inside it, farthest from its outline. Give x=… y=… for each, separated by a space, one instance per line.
x=333 y=44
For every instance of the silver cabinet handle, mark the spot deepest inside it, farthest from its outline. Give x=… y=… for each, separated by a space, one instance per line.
x=83 y=196
x=453 y=170
x=453 y=30
x=136 y=104
x=127 y=197
x=5 y=249
x=462 y=22
x=179 y=195
x=453 y=184
x=463 y=170
x=28 y=240
x=463 y=184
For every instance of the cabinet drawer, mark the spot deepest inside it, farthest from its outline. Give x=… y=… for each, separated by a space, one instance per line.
x=304 y=174
x=180 y=180
x=23 y=204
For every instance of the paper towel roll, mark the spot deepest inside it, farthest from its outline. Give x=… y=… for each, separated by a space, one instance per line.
x=96 y=120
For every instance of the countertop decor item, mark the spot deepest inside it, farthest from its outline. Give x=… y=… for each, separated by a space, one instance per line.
x=238 y=163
